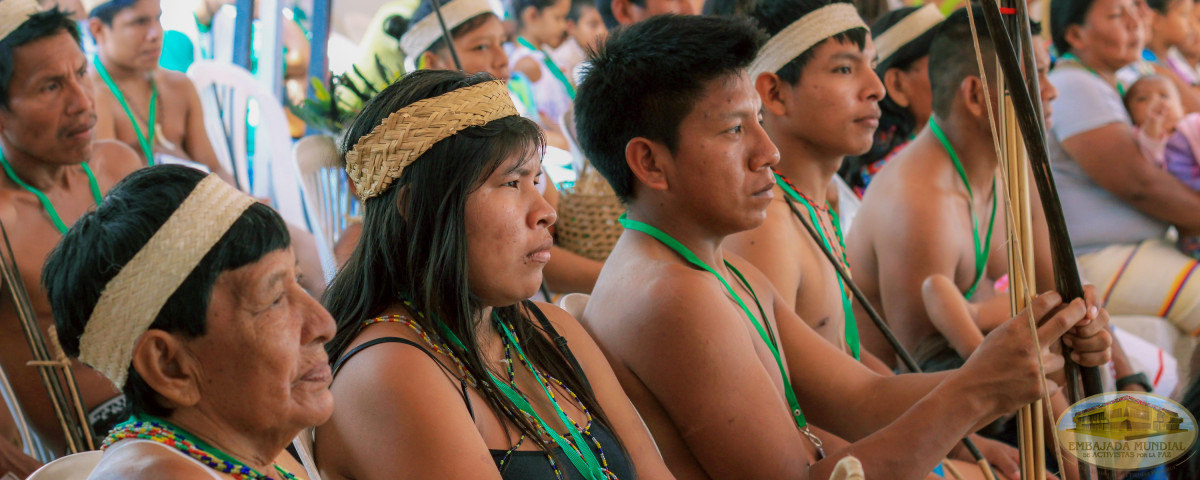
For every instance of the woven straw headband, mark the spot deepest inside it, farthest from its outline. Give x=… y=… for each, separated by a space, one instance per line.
x=14 y=13
x=906 y=30
x=132 y=299
x=380 y=157
x=802 y=34
x=421 y=35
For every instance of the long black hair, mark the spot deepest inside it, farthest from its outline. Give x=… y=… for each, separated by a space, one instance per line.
x=414 y=243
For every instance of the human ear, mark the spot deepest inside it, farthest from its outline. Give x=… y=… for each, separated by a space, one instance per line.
x=165 y=364
x=893 y=82
x=644 y=158
x=773 y=92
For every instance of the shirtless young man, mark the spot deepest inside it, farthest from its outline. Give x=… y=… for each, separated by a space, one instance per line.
x=923 y=220
x=47 y=119
x=129 y=82
x=669 y=116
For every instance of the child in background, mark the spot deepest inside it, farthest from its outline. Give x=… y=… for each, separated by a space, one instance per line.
x=585 y=30
x=1167 y=137
x=542 y=23
x=1185 y=58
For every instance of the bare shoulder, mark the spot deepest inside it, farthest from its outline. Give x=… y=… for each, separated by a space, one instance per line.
x=112 y=161
x=776 y=233
x=145 y=460
x=173 y=81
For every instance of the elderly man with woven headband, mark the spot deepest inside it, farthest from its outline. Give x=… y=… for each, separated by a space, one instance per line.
x=190 y=304
x=51 y=172
x=722 y=369
x=432 y=305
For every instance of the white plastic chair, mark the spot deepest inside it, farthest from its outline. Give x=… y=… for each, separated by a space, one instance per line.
x=574 y=303
x=230 y=96
x=71 y=467
x=304 y=446
x=327 y=197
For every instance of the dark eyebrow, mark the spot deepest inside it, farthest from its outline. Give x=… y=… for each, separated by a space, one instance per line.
x=855 y=56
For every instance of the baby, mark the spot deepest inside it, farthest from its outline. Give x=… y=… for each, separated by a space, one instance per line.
x=1167 y=137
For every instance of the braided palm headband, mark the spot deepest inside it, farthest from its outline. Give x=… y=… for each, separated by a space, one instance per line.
x=802 y=34
x=380 y=157
x=422 y=34
x=907 y=30
x=132 y=299
x=14 y=13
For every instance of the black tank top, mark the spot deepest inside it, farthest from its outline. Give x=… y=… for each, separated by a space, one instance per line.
x=530 y=464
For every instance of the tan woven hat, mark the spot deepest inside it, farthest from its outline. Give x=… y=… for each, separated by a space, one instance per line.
x=802 y=34
x=380 y=157
x=14 y=13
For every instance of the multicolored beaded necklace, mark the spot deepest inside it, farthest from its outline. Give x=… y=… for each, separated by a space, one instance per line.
x=159 y=431
x=851 y=326
x=511 y=343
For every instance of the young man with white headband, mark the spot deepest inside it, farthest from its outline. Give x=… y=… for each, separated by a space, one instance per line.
x=52 y=173
x=720 y=367
x=155 y=111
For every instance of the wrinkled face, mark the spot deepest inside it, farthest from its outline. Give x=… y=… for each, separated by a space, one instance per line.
x=1041 y=58
x=134 y=40
x=834 y=108
x=1111 y=33
x=721 y=168
x=1154 y=96
x=51 y=112
x=262 y=360
x=1175 y=27
x=662 y=7
x=589 y=30
x=508 y=233
x=479 y=50
x=548 y=26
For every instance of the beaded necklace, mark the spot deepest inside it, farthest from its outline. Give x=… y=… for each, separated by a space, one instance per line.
x=981 y=251
x=434 y=343
x=768 y=337
x=851 y=326
x=159 y=431
x=43 y=199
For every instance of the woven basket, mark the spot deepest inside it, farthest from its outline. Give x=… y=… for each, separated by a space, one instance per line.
x=587 y=216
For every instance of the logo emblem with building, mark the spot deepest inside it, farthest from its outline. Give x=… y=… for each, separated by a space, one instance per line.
x=1126 y=430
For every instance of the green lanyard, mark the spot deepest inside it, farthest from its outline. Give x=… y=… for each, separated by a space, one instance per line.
x=146 y=141
x=583 y=459
x=49 y=207
x=1073 y=58
x=767 y=338
x=981 y=254
x=847 y=309
x=241 y=469
x=554 y=70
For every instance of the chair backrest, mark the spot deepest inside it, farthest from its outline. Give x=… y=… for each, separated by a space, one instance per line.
x=71 y=467
x=574 y=303
x=327 y=198
x=234 y=101
x=304 y=447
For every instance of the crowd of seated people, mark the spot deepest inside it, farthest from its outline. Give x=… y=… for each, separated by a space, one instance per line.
x=721 y=337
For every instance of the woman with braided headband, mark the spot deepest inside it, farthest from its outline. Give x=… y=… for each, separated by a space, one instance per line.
x=442 y=370
x=183 y=291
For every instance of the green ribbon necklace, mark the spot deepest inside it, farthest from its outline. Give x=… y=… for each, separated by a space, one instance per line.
x=768 y=337
x=582 y=457
x=847 y=308
x=157 y=430
x=146 y=141
x=554 y=70
x=981 y=254
x=49 y=207
x=1071 y=57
